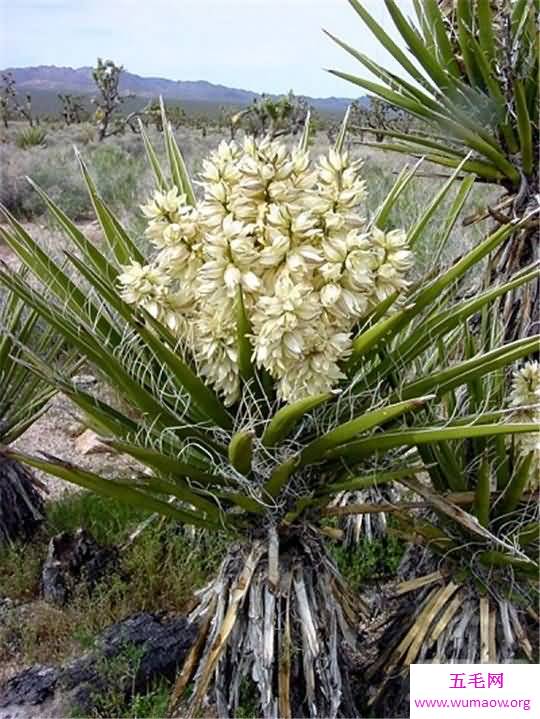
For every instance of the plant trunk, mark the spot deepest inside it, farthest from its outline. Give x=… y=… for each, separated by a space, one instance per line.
x=21 y=504
x=279 y=621
x=367 y=526
x=432 y=617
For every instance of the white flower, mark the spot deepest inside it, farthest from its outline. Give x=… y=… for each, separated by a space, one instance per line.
x=525 y=397
x=164 y=204
x=146 y=286
x=526 y=386
x=290 y=235
x=215 y=339
x=393 y=260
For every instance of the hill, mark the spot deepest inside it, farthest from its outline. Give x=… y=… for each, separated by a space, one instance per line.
x=45 y=80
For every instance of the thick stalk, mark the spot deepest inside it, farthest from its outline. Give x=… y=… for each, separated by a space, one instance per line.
x=443 y=615
x=277 y=620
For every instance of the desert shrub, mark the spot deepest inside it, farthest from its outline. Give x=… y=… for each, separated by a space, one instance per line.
x=31 y=137
x=54 y=166
x=47 y=634
x=120 y=173
x=84 y=134
x=117 y=174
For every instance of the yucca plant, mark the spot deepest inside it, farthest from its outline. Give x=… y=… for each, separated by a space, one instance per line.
x=23 y=398
x=471 y=73
x=468 y=589
x=254 y=349
x=31 y=137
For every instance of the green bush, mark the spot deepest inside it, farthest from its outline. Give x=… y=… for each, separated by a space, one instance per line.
x=31 y=137
x=117 y=174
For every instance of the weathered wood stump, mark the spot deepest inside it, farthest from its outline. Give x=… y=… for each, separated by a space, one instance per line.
x=74 y=557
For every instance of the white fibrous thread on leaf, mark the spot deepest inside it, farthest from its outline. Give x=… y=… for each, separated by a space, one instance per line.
x=287 y=231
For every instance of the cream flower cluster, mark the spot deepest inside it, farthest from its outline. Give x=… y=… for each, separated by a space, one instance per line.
x=525 y=396
x=287 y=232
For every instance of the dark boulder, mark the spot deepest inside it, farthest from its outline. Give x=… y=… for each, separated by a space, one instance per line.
x=128 y=657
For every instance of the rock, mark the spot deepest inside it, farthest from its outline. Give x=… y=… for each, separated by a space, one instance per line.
x=36 y=684
x=84 y=380
x=6 y=606
x=75 y=429
x=72 y=558
x=90 y=443
x=127 y=658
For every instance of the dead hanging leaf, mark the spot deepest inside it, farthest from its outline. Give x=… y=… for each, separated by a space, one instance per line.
x=399 y=651
x=285 y=647
x=444 y=506
x=273 y=559
x=445 y=618
x=493 y=636
x=417 y=583
x=308 y=626
x=407 y=650
x=190 y=661
x=424 y=628
x=236 y=596
x=520 y=633
x=484 y=630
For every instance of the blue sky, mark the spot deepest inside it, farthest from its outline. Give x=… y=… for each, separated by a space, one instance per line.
x=263 y=45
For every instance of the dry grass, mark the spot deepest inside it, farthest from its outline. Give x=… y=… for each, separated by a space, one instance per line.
x=124 y=179
x=159 y=571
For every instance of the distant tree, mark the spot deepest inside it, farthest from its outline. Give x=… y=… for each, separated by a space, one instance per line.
x=6 y=98
x=106 y=75
x=201 y=123
x=267 y=116
x=25 y=110
x=152 y=115
x=72 y=109
x=379 y=117
x=9 y=102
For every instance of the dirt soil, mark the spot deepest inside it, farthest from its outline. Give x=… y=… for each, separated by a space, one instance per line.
x=56 y=432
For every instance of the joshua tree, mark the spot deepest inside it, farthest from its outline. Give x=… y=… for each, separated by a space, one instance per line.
x=378 y=117
x=266 y=116
x=7 y=97
x=4 y=111
x=152 y=115
x=474 y=78
x=201 y=123
x=23 y=399
x=106 y=75
x=9 y=100
x=25 y=110
x=256 y=350
x=72 y=109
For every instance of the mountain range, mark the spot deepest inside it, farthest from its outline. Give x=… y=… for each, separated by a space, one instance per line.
x=50 y=78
